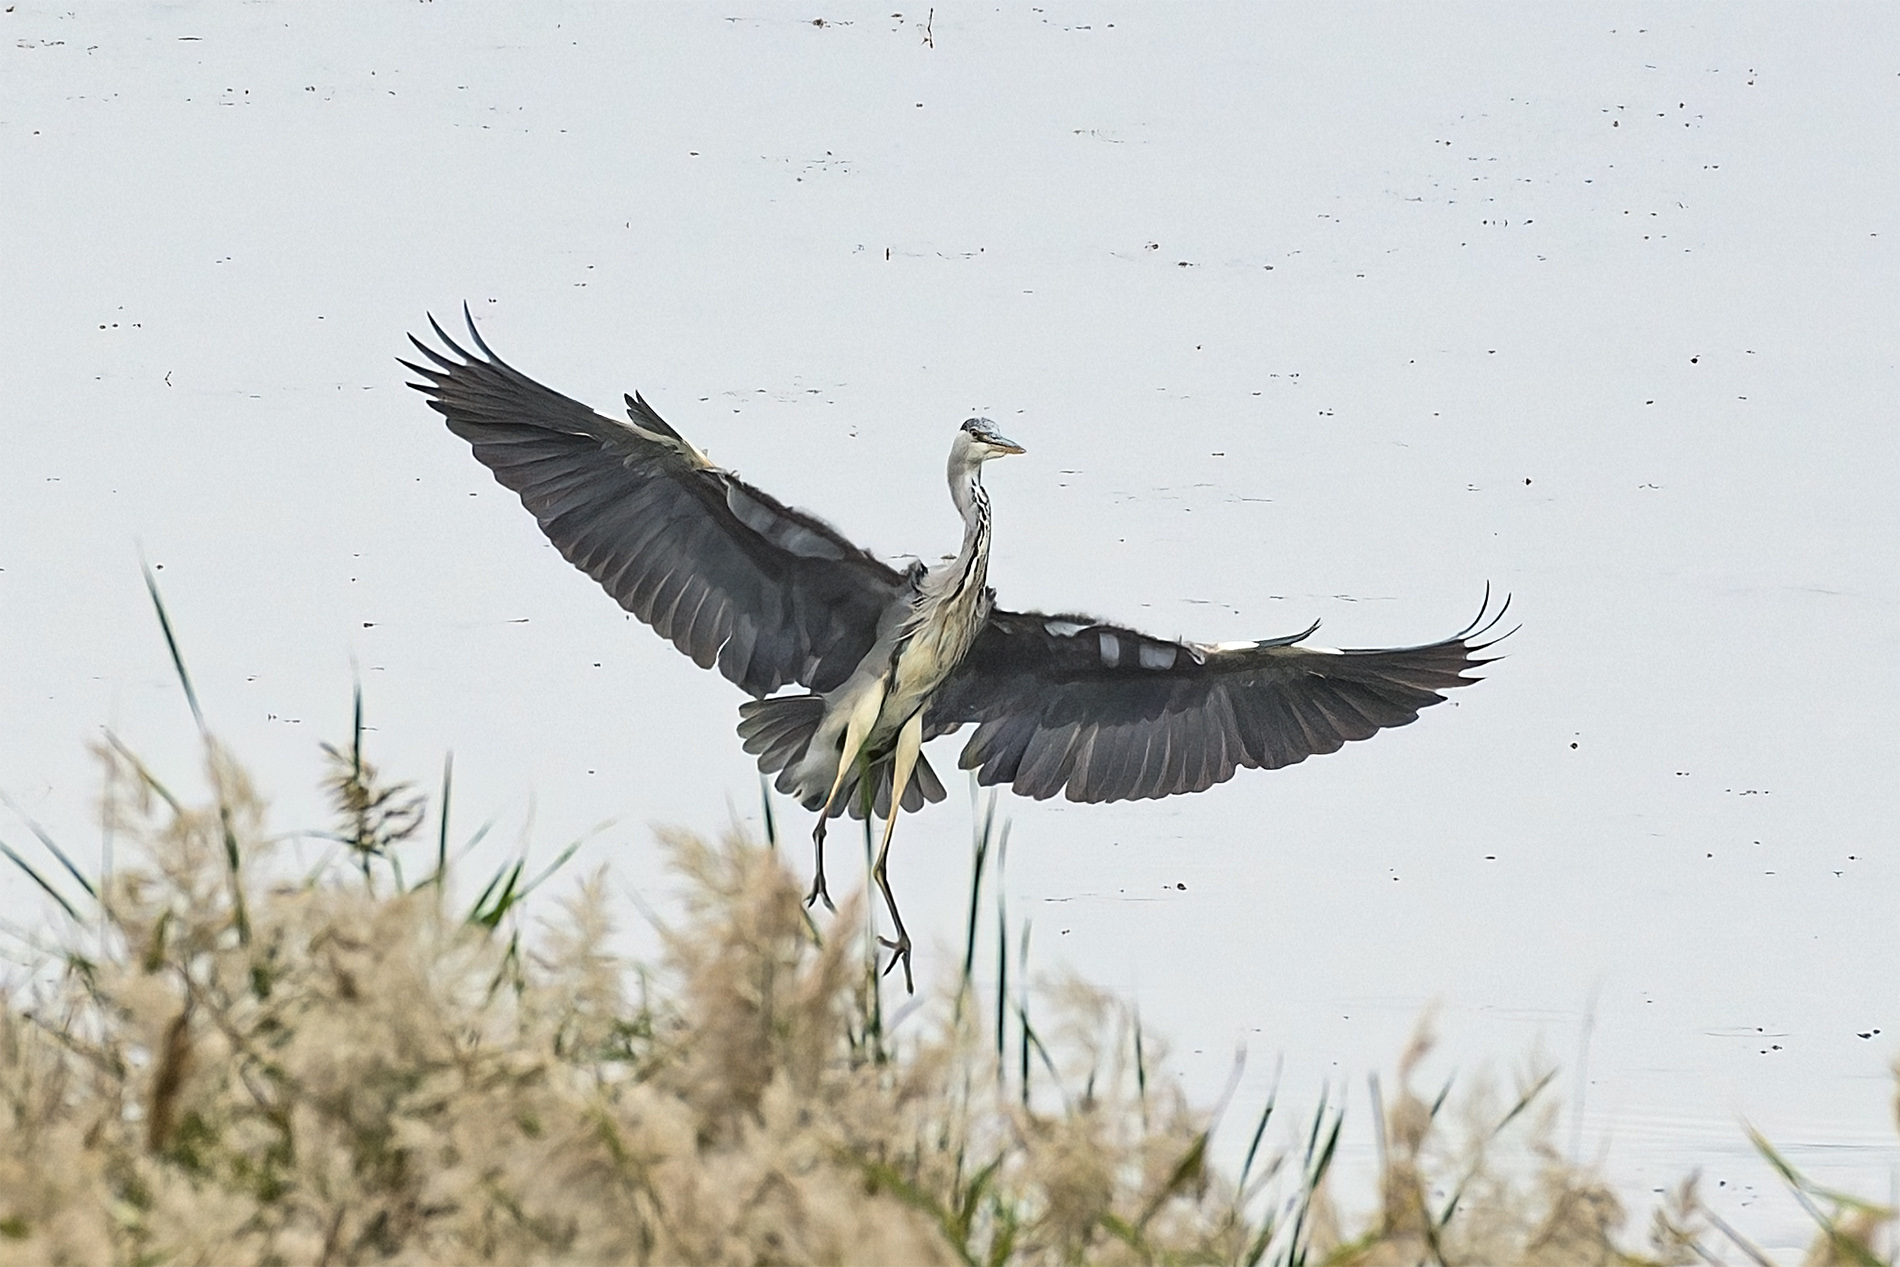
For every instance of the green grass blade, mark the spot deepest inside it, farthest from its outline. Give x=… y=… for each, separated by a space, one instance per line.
x=356 y=728
x=481 y=834
x=506 y=889
x=52 y=848
x=881 y=1174
x=1259 y=1132
x=442 y=824
x=1318 y=1160
x=145 y=775
x=1796 y=1179
x=171 y=645
x=40 y=880
x=1141 y=1072
x=1022 y=1014
x=973 y=1196
x=561 y=859
x=1127 y=1234
x=1257 y=1249
x=1189 y=1168
x=1804 y=1190
x=1326 y=1155
x=1378 y=1118
x=239 y=917
x=983 y=827
x=1523 y=1102
x=1319 y=1119
x=1740 y=1242
x=499 y=886
x=1002 y=949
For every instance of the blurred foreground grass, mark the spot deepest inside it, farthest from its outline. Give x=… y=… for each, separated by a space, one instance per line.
x=215 y=1064
x=212 y=1060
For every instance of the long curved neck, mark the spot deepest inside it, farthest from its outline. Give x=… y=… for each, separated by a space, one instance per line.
x=966 y=489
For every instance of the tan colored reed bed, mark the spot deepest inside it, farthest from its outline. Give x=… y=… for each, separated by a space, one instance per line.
x=214 y=1064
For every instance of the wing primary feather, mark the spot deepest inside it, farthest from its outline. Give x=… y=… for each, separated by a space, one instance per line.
x=476 y=335
x=1194 y=739
x=640 y=516
x=1122 y=773
x=441 y=361
x=1083 y=755
x=447 y=342
x=1164 y=744
x=1288 y=640
x=1207 y=730
x=1170 y=771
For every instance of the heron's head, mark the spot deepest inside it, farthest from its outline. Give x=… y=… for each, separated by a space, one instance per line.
x=978 y=440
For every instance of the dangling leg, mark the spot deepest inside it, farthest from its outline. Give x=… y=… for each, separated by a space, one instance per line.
x=910 y=740
x=857 y=726
x=818 y=892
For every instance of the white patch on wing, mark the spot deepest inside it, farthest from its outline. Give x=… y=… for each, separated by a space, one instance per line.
x=1111 y=648
x=1063 y=628
x=1269 y=645
x=681 y=446
x=1155 y=655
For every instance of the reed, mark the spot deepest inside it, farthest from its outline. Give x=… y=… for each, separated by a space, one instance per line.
x=214 y=1060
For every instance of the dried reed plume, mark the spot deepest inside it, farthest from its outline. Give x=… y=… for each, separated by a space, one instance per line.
x=212 y=1067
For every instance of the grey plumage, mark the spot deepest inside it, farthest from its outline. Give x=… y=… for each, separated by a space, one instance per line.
x=775 y=597
x=1077 y=713
x=735 y=579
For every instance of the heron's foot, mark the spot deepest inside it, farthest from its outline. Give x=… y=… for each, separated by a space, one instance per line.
x=900 y=953
x=818 y=891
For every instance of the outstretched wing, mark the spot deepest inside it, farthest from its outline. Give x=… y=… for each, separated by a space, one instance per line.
x=1065 y=703
x=769 y=594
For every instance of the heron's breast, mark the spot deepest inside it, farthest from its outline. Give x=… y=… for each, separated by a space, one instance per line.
x=923 y=661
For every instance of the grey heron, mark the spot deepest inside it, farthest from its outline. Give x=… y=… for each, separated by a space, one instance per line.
x=889 y=658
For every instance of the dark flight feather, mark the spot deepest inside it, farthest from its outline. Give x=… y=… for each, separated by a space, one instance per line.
x=732 y=576
x=1102 y=713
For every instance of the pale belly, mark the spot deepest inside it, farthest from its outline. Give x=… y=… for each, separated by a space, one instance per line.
x=925 y=660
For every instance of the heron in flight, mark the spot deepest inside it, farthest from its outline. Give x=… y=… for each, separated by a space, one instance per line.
x=888 y=658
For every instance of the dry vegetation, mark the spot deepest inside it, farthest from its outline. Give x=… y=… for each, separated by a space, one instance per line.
x=213 y=1064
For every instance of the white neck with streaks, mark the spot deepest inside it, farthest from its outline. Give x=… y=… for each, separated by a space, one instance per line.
x=964 y=576
x=966 y=489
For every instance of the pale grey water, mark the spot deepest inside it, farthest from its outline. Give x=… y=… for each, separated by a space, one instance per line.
x=1328 y=314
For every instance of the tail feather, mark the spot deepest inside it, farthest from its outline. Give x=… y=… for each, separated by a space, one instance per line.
x=925 y=788
x=778 y=731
